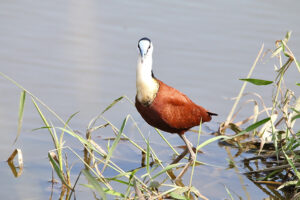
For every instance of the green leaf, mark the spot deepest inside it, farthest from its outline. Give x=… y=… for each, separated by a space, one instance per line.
x=106 y=190
x=115 y=143
x=58 y=171
x=287 y=54
x=42 y=116
x=298 y=84
x=277 y=51
x=114 y=193
x=297 y=64
x=95 y=184
x=54 y=138
x=290 y=161
x=130 y=185
x=287 y=36
x=252 y=127
x=295 y=117
x=257 y=124
x=119 y=175
x=21 y=111
x=148 y=157
x=168 y=143
x=257 y=81
x=166 y=169
x=112 y=104
x=210 y=141
x=94 y=120
x=176 y=195
x=60 y=143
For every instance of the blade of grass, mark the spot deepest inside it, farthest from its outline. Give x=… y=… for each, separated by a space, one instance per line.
x=151 y=150
x=114 y=193
x=194 y=163
x=257 y=81
x=228 y=192
x=277 y=51
x=131 y=177
x=178 y=193
x=32 y=95
x=243 y=88
x=45 y=122
x=252 y=127
x=99 y=176
x=21 y=111
x=106 y=191
x=60 y=143
x=93 y=121
x=58 y=172
x=168 y=143
x=166 y=169
x=287 y=36
x=132 y=142
x=148 y=158
x=292 y=165
x=295 y=117
x=206 y=142
x=112 y=104
x=95 y=184
x=115 y=143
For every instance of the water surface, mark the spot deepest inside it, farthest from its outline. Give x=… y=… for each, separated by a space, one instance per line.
x=81 y=55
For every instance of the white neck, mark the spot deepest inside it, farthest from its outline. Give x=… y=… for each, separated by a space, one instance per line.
x=146 y=85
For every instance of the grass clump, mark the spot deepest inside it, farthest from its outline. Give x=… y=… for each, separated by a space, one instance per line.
x=97 y=160
x=276 y=142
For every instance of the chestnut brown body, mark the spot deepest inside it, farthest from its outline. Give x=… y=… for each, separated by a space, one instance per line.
x=172 y=111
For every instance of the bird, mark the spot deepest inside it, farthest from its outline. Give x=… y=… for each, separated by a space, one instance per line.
x=161 y=105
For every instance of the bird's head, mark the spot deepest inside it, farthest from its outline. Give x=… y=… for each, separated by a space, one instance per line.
x=145 y=48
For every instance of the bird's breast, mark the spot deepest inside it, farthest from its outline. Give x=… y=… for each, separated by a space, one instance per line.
x=146 y=91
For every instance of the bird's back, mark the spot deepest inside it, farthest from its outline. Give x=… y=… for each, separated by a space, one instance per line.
x=172 y=111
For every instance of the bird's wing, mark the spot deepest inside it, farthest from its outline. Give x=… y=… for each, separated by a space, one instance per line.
x=178 y=110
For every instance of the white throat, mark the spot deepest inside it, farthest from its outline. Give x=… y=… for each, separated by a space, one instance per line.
x=146 y=85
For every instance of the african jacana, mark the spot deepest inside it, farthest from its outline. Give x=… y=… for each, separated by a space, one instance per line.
x=162 y=106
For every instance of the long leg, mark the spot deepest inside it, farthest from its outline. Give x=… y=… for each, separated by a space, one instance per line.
x=178 y=158
x=189 y=146
x=184 y=170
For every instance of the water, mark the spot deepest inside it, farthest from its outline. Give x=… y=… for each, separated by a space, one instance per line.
x=80 y=56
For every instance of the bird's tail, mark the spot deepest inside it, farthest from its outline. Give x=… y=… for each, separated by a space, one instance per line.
x=211 y=114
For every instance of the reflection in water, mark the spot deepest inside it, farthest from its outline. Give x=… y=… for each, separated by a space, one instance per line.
x=16 y=170
x=268 y=173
